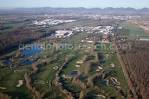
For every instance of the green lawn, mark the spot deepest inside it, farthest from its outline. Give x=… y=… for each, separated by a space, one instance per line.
x=117 y=72
x=9 y=78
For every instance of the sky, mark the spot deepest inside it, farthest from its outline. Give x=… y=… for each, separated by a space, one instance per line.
x=74 y=3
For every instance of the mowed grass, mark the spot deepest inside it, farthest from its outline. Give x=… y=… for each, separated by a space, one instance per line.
x=74 y=57
x=117 y=72
x=9 y=78
x=20 y=93
x=47 y=72
x=118 y=69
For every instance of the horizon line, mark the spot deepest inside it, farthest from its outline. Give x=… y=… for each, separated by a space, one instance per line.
x=7 y=8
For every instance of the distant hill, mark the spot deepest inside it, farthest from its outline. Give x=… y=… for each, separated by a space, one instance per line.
x=48 y=10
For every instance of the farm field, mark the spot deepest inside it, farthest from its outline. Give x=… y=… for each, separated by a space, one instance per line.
x=134 y=60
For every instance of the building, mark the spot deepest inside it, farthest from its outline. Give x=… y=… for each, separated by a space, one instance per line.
x=63 y=33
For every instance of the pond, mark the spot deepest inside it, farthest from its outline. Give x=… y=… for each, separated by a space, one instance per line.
x=26 y=62
x=31 y=50
x=7 y=62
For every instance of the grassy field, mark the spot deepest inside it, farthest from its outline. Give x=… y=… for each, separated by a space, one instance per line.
x=9 y=80
x=110 y=58
x=133 y=30
x=116 y=72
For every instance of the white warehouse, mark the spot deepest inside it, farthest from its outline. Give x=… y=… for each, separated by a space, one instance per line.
x=63 y=33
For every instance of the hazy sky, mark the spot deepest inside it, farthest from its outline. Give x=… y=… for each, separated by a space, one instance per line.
x=74 y=3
